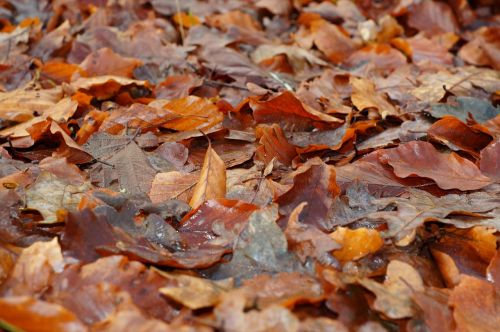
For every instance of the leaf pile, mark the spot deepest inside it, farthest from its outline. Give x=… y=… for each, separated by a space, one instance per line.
x=268 y=165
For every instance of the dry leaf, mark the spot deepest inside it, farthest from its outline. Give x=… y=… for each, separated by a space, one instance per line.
x=212 y=181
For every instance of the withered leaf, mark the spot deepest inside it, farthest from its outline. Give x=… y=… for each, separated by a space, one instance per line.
x=135 y=174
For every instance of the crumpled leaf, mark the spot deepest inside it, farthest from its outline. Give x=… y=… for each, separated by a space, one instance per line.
x=308 y=241
x=53 y=197
x=449 y=171
x=212 y=181
x=394 y=295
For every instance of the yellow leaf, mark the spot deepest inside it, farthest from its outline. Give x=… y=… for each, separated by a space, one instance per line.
x=212 y=182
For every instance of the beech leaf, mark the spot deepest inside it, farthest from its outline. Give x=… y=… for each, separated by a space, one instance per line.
x=212 y=181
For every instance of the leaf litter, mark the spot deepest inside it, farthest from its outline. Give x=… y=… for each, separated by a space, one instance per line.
x=249 y=166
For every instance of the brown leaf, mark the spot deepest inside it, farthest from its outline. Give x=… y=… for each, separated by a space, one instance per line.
x=483 y=48
x=315 y=185
x=212 y=181
x=432 y=17
x=475 y=305
x=287 y=110
x=173 y=185
x=449 y=171
x=365 y=96
x=194 y=293
x=34 y=269
x=490 y=160
x=274 y=145
x=135 y=174
x=458 y=136
x=332 y=41
x=394 y=295
x=22 y=105
x=107 y=62
x=52 y=196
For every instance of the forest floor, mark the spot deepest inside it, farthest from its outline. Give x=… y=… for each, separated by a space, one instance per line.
x=234 y=165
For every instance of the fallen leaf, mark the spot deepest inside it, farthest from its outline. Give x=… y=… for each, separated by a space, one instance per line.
x=212 y=181
x=365 y=96
x=173 y=185
x=458 y=136
x=261 y=248
x=356 y=243
x=490 y=160
x=449 y=171
x=193 y=292
x=26 y=313
x=22 y=104
x=475 y=305
x=135 y=174
x=193 y=113
x=107 y=62
x=35 y=268
x=316 y=186
x=52 y=196
x=273 y=145
x=394 y=295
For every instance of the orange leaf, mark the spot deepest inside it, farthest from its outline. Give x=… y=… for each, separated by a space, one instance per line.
x=60 y=71
x=186 y=20
x=356 y=243
x=194 y=113
x=212 y=182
